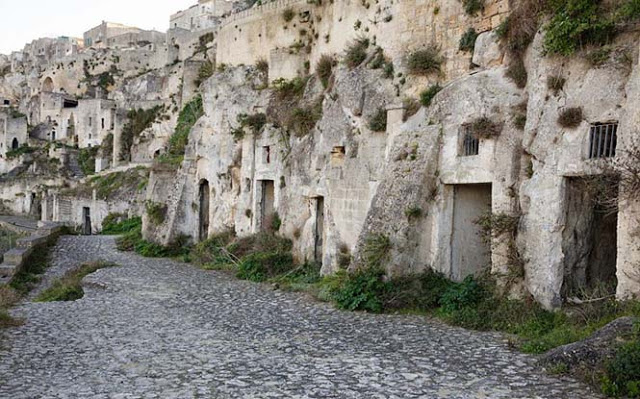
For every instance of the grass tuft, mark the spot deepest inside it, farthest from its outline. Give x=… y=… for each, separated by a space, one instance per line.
x=426 y=61
x=69 y=287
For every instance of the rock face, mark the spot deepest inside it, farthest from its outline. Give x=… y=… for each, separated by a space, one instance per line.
x=349 y=153
x=593 y=351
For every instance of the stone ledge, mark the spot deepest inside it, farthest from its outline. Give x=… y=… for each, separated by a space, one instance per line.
x=6 y=272
x=17 y=256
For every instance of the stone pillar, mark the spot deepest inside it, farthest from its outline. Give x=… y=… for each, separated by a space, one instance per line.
x=395 y=116
x=120 y=120
x=628 y=260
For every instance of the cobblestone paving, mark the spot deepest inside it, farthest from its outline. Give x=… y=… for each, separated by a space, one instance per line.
x=161 y=329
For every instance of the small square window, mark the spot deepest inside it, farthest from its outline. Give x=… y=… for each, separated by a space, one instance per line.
x=603 y=139
x=470 y=142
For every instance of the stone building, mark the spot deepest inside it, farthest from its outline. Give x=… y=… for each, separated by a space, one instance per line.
x=98 y=36
x=45 y=51
x=204 y=15
x=13 y=131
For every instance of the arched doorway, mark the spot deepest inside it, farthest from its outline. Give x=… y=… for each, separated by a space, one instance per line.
x=15 y=144
x=47 y=85
x=204 y=210
x=53 y=134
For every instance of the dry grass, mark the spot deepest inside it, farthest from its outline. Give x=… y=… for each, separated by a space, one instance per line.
x=485 y=128
x=570 y=117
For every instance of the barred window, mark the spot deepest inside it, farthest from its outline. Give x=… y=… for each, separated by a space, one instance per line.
x=603 y=139
x=470 y=142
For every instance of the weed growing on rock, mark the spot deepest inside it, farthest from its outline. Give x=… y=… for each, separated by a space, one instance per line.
x=468 y=40
x=378 y=122
x=570 y=117
x=485 y=128
x=427 y=96
x=472 y=7
x=356 y=52
x=426 y=61
x=156 y=211
x=556 y=83
x=187 y=119
x=324 y=69
x=205 y=72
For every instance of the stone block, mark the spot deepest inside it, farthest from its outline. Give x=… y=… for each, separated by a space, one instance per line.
x=16 y=256
x=487 y=52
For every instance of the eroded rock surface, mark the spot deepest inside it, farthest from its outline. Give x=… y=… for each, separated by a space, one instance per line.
x=159 y=328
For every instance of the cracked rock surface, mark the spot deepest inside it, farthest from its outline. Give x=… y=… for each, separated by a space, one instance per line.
x=156 y=328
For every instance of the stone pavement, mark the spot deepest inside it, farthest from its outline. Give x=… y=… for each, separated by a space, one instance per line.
x=19 y=223
x=161 y=329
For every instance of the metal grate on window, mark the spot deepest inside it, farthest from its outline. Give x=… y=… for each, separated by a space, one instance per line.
x=603 y=139
x=470 y=143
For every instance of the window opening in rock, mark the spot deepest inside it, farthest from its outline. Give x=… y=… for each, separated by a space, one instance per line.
x=603 y=139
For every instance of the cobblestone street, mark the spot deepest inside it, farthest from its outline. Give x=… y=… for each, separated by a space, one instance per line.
x=155 y=328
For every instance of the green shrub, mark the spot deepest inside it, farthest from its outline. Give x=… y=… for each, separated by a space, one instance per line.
x=115 y=224
x=289 y=89
x=468 y=40
x=472 y=7
x=156 y=211
x=378 y=122
x=23 y=149
x=376 y=250
x=205 y=72
x=420 y=292
x=356 y=52
x=576 y=24
x=304 y=118
x=259 y=267
x=203 y=41
x=133 y=241
x=324 y=69
x=425 y=62
x=623 y=371
x=87 y=160
x=105 y=80
x=427 y=96
x=299 y=278
x=460 y=296
x=413 y=212
x=213 y=250
x=360 y=290
x=188 y=117
x=255 y=122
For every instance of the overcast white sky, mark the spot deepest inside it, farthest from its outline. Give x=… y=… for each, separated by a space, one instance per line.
x=26 y=20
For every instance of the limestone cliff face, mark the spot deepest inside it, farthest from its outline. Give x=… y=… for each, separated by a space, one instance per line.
x=415 y=183
x=482 y=176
